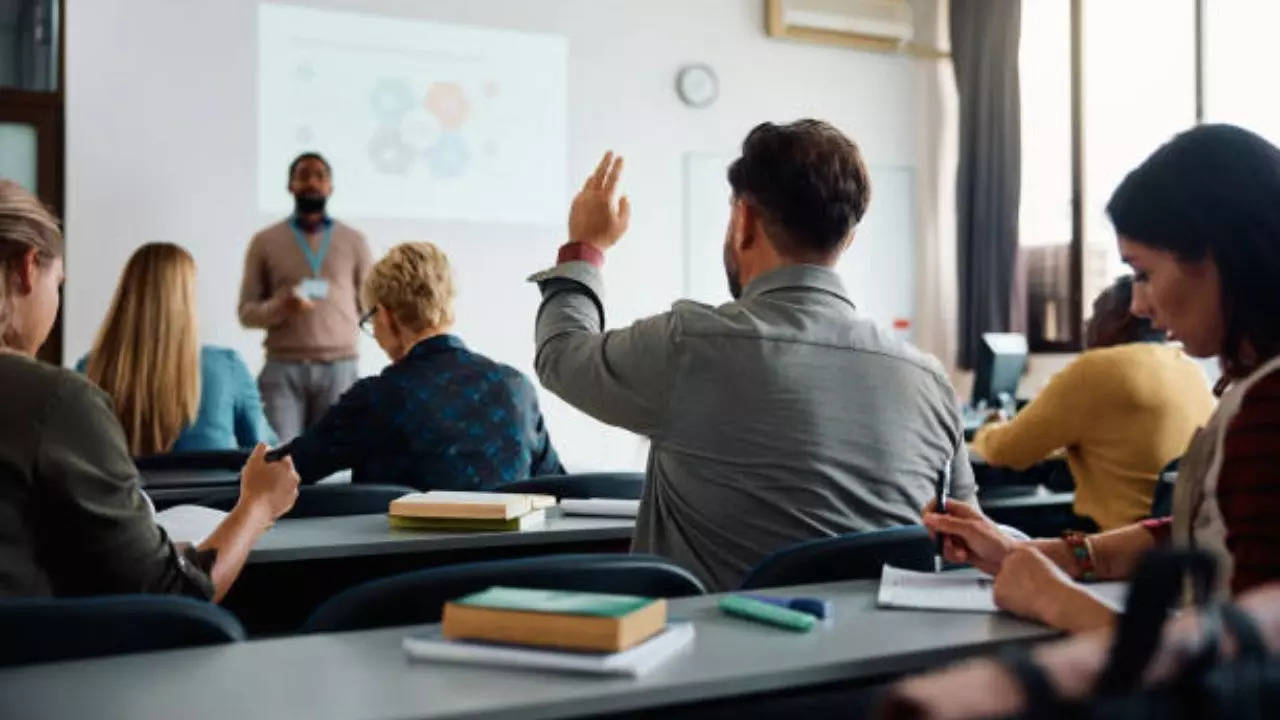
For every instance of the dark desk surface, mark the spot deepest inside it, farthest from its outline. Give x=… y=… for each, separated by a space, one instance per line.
x=361 y=535
x=366 y=674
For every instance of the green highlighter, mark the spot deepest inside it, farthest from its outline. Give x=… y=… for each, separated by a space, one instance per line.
x=752 y=609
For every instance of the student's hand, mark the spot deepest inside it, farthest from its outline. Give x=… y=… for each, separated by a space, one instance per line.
x=1029 y=585
x=268 y=487
x=593 y=219
x=969 y=537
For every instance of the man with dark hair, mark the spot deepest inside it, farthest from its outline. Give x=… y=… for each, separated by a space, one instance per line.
x=301 y=284
x=1123 y=409
x=779 y=417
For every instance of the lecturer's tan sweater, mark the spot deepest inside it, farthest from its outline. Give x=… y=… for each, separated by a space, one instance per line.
x=275 y=263
x=1122 y=413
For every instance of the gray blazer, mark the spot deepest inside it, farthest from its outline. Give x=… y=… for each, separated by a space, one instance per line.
x=780 y=417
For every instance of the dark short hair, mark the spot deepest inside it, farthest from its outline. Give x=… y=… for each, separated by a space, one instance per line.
x=807 y=180
x=1214 y=191
x=310 y=155
x=1113 y=303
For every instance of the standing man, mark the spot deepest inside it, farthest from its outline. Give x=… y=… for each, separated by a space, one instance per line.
x=301 y=283
x=782 y=416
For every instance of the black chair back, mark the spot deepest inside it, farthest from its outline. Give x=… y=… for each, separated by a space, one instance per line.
x=231 y=460
x=855 y=556
x=323 y=500
x=419 y=596
x=617 y=485
x=47 y=629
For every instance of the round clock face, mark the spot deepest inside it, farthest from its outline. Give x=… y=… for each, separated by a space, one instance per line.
x=697 y=85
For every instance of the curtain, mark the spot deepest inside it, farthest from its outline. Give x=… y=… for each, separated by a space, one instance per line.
x=984 y=48
x=935 y=316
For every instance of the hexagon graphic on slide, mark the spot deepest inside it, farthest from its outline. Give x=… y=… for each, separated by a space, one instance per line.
x=448 y=102
x=421 y=129
x=449 y=157
x=391 y=99
x=389 y=153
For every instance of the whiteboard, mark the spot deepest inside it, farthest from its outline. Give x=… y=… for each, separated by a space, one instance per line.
x=878 y=270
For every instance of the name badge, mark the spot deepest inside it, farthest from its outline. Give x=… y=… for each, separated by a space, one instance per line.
x=314 y=288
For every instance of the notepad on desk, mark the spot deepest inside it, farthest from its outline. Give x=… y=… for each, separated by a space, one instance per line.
x=448 y=510
x=964 y=591
x=633 y=662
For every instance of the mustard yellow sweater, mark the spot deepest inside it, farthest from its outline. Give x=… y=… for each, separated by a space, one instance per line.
x=1122 y=413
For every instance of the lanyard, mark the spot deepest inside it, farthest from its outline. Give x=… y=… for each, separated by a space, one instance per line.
x=314 y=259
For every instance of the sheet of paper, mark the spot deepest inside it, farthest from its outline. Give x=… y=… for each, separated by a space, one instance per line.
x=967 y=590
x=959 y=591
x=189 y=523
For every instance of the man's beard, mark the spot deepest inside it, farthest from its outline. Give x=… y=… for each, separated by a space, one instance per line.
x=731 y=273
x=308 y=204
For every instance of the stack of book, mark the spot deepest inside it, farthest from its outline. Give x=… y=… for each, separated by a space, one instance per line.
x=554 y=629
x=483 y=511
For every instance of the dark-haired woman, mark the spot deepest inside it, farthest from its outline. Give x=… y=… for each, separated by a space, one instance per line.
x=1199 y=223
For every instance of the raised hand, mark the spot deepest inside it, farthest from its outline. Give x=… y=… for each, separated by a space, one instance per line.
x=593 y=217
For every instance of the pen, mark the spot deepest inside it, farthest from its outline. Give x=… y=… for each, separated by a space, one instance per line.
x=944 y=489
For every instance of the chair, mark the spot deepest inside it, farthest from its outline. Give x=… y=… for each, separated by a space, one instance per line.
x=1162 y=498
x=419 y=596
x=194 y=460
x=854 y=556
x=47 y=629
x=322 y=500
x=618 y=486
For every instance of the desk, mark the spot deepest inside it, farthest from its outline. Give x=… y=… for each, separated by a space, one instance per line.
x=302 y=562
x=363 y=535
x=366 y=674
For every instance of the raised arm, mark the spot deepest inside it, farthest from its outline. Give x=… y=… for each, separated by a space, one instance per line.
x=620 y=376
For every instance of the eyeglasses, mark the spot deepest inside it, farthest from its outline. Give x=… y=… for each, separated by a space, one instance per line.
x=366 y=319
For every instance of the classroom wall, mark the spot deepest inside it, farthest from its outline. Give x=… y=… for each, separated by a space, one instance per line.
x=161 y=145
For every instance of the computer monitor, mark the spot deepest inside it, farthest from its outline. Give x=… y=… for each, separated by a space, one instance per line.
x=1002 y=359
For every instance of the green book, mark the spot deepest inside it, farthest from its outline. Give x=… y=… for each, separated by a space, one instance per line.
x=559 y=602
x=529 y=520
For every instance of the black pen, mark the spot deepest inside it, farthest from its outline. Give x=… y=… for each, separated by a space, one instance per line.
x=940 y=506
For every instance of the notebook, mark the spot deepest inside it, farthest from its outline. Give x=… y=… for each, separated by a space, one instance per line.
x=594 y=622
x=457 y=504
x=633 y=662
x=528 y=521
x=965 y=591
x=606 y=507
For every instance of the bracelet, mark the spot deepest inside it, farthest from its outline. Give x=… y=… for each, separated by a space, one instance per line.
x=1078 y=545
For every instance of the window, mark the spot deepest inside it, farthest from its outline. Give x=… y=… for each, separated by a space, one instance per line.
x=1240 y=52
x=1104 y=83
x=1044 y=215
x=1138 y=92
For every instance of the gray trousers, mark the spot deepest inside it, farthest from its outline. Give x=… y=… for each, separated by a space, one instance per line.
x=297 y=394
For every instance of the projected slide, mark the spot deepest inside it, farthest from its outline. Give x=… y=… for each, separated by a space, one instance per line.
x=419 y=119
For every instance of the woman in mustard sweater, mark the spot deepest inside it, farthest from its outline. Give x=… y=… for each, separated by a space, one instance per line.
x=1123 y=410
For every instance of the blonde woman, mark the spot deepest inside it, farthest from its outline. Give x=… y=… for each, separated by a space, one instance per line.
x=171 y=394
x=75 y=519
x=441 y=415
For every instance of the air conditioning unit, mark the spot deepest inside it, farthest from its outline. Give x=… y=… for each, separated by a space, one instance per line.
x=878 y=24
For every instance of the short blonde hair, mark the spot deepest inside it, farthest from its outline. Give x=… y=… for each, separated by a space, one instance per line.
x=414 y=283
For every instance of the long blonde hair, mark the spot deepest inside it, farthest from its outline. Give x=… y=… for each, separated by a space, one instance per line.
x=24 y=224
x=146 y=355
